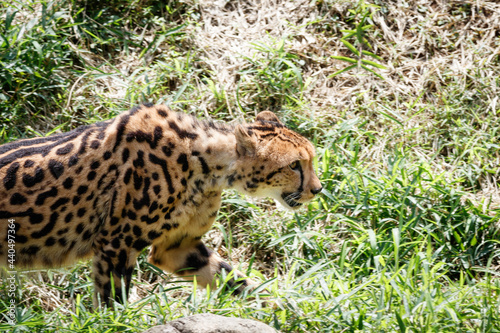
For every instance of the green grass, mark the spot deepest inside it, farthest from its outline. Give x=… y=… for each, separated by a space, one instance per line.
x=404 y=237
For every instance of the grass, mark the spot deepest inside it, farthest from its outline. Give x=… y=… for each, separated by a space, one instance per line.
x=400 y=101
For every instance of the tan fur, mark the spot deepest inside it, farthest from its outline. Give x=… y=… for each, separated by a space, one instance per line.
x=149 y=177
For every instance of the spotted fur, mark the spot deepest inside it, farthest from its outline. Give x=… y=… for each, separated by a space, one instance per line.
x=149 y=177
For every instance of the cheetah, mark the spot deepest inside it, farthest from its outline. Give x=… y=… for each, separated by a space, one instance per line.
x=148 y=177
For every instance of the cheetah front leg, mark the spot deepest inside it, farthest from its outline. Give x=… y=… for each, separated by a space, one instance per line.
x=112 y=270
x=195 y=259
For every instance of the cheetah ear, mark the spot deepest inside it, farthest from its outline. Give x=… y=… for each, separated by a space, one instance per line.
x=246 y=143
x=267 y=116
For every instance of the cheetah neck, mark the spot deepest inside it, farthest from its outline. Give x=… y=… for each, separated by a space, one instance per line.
x=224 y=169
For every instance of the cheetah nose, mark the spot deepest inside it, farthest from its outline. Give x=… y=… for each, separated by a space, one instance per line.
x=316 y=190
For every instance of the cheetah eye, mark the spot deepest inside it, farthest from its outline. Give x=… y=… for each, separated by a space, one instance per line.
x=294 y=165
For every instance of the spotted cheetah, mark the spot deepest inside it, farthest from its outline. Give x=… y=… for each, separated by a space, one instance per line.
x=149 y=177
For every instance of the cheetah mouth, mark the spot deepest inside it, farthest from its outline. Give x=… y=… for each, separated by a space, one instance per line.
x=289 y=199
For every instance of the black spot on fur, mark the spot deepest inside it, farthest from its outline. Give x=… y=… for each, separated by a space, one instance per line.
x=231 y=178
x=199 y=185
x=73 y=160
x=139 y=161
x=44 y=195
x=137 y=231
x=81 y=212
x=116 y=231
x=137 y=181
x=153 y=207
x=204 y=251
x=152 y=235
x=79 y=228
x=112 y=204
x=21 y=239
x=100 y=270
x=132 y=215
x=68 y=183
x=87 y=234
x=50 y=241
x=157 y=135
x=106 y=155
x=83 y=144
x=58 y=203
x=95 y=144
x=183 y=134
x=140 y=244
x=128 y=241
x=29 y=163
x=161 y=162
x=82 y=189
x=168 y=149
x=91 y=175
x=62 y=231
x=47 y=228
x=34 y=219
x=76 y=200
x=125 y=155
x=31 y=250
x=195 y=262
x=271 y=174
x=17 y=199
x=157 y=189
x=128 y=174
x=30 y=181
x=115 y=243
x=95 y=165
x=69 y=218
x=182 y=160
x=140 y=136
x=251 y=185
x=120 y=129
x=144 y=201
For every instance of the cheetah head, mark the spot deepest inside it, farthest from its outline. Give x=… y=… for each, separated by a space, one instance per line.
x=278 y=160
